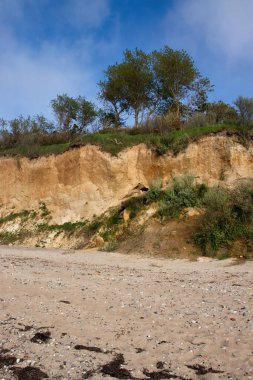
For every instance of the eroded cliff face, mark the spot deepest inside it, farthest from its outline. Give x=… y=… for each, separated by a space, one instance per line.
x=85 y=181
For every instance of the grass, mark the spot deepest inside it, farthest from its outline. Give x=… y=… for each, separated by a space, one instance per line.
x=25 y=214
x=175 y=140
x=66 y=227
x=114 y=142
x=13 y=237
x=35 y=151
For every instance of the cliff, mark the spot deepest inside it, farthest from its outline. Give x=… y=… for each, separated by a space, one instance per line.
x=85 y=181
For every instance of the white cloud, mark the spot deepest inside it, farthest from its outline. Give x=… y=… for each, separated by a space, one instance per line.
x=29 y=80
x=224 y=26
x=32 y=75
x=86 y=13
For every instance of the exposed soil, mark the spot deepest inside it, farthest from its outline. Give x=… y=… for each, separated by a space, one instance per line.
x=100 y=315
x=171 y=239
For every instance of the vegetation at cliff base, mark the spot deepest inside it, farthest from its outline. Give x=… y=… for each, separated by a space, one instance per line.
x=222 y=223
x=228 y=217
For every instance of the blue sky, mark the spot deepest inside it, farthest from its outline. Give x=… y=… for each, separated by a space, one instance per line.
x=50 y=47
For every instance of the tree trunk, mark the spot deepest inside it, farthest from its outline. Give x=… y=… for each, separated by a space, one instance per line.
x=117 y=120
x=136 y=118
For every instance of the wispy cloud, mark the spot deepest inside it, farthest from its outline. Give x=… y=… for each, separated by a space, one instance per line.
x=223 y=26
x=29 y=81
x=33 y=71
x=88 y=13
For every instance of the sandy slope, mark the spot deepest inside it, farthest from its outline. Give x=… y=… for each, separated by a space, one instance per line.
x=157 y=313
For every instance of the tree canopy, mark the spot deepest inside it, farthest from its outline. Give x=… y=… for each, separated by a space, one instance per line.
x=245 y=108
x=155 y=83
x=73 y=113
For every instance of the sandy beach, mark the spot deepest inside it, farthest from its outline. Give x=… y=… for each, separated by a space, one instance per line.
x=78 y=315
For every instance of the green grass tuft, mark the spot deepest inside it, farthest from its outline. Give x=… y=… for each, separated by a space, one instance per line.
x=25 y=214
x=114 y=142
x=67 y=227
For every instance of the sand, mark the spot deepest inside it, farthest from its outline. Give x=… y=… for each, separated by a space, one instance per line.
x=78 y=315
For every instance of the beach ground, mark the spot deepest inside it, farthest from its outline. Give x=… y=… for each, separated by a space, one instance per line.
x=78 y=315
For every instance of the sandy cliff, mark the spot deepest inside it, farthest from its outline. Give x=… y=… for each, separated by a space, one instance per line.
x=85 y=181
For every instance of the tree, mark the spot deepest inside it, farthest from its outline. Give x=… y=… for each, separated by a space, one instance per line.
x=113 y=92
x=4 y=133
x=138 y=81
x=86 y=113
x=65 y=109
x=39 y=124
x=245 y=108
x=155 y=83
x=175 y=74
x=221 y=112
x=199 y=97
x=73 y=113
x=128 y=85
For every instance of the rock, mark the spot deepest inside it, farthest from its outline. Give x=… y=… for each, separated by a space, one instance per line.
x=97 y=241
x=126 y=215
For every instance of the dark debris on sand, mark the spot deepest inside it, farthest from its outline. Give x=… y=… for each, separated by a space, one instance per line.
x=113 y=368
x=7 y=360
x=28 y=373
x=41 y=337
x=89 y=348
x=163 y=374
x=202 y=370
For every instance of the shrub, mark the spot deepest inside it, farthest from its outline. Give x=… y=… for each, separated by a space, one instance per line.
x=221 y=112
x=242 y=198
x=228 y=217
x=198 y=119
x=95 y=225
x=245 y=108
x=110 y=246
x=113 y=219
x=155 y=191
x=43 y=209
x=161 y=124
x=182 y=193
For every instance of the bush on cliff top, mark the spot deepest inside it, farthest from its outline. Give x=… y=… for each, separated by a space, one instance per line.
x=114 y=142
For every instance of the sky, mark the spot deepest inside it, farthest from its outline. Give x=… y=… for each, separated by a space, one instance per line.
x=50 y=47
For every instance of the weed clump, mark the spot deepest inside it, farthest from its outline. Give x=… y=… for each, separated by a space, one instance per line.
x=183 y=192
x=228 y=217
x=24 y=215
x=67 y=226
x=19 y=236
x=43 y=209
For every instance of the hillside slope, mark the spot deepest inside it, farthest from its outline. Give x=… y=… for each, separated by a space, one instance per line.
x=85 y=181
